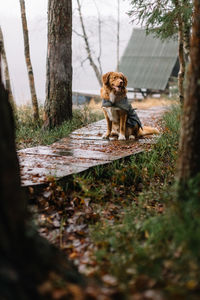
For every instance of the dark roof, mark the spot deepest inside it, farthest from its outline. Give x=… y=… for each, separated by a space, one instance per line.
x=148 y=61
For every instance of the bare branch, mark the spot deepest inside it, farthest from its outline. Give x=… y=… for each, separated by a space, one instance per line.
x=100 y=40
x=87 y=47
x=83 y=61
x=77 y=33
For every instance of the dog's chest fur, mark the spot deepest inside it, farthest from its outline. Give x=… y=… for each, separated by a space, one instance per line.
x=113 y=112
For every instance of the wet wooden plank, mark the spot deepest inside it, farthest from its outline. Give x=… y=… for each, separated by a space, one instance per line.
x=82 y=149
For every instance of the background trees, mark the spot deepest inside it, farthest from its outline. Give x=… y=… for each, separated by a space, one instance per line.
x=28 y=62
x=30 y=266
x=96 y=63
x=58 y=103
x=6 y=71
x=98 y=71
x=167 y=19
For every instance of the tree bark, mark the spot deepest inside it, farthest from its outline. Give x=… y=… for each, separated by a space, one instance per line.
x=87 y=47
x=58 y=104
x=29 y=265
x=28 y=62
x=186 y=39
x=181 y=74
x=189 y=148
x=186 y=29
x=6 y=71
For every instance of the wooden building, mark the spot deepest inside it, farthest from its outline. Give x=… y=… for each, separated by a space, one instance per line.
x=149 y=62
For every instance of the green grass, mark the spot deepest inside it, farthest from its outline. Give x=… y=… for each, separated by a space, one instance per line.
x=29 y=134
x=154 y=240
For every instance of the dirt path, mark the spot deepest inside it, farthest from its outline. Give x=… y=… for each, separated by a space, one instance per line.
x=84 y=148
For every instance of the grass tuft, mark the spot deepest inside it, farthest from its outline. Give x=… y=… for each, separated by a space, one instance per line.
x=29 y=134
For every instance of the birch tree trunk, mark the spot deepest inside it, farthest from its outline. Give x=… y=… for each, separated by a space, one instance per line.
x=189 y=148
x=58 y=104
x=28 y=61
x=6 y=71
x=181 y=74
x=88 y=48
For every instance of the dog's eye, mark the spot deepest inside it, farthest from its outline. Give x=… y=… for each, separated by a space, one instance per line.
x=114 y=77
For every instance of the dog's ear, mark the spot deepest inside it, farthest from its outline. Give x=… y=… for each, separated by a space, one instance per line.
x=105 y=78
x=124 y=79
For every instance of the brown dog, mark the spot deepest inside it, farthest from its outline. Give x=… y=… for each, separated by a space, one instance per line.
x=122 y=120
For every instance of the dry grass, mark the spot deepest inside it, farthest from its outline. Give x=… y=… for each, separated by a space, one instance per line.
x=150 y=102
x=144 y=104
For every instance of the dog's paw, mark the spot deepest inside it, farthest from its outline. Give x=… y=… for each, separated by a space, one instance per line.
x=105 y=136
x=131 y=137
x=121 y=137
x=114 y=133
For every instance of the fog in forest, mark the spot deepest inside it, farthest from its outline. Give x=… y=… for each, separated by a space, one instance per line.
x=83 y=75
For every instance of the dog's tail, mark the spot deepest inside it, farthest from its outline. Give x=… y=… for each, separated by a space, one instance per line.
x=147 y=130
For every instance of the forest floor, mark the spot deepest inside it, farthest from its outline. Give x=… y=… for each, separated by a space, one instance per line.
x=121 y=225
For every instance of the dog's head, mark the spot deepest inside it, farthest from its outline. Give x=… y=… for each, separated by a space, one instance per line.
x=115 y=81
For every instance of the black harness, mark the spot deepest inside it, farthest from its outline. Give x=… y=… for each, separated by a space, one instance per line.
x=132 y=117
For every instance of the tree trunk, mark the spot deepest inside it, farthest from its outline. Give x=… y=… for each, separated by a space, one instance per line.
x=6 y=71
x=118 y=33
x=189 y=148
x=100 y=38
x=87 y=47
x=186 y=40
x=58 y=104
x=28 y=62
x=30 y=268
x=186 y=29
x=181 y=74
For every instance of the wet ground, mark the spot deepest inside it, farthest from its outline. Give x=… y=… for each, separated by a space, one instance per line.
x=82 y=149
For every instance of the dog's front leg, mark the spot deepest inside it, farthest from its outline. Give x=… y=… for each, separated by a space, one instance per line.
x=109 y=126
x=122 y=126
x=115 y=129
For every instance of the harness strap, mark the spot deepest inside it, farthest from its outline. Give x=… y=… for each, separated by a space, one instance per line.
x=132 y=118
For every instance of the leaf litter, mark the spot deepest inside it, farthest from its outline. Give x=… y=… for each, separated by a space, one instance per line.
x=65 y=218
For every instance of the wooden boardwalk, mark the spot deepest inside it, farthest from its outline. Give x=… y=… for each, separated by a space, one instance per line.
x=82 y=149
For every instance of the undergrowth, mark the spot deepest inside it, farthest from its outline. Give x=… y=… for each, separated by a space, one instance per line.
x=153 y=240
x=30 y=134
